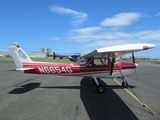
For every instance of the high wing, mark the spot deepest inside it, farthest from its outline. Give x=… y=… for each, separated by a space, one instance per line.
x=118 y=50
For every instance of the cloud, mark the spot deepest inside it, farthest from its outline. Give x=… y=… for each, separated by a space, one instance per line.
x=87 y=30
x=121 y=19
x=77 y=17
x=110 y=38
x=90 y=38
x=98 y=36
x=101 y=36
x=151 y=35
x=158 y=14
x=54 y=38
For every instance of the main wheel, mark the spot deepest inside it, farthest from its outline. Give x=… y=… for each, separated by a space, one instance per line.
x=124 y=84
x=100 y=89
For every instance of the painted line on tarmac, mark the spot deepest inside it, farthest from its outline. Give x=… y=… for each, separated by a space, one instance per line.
x=136 y=98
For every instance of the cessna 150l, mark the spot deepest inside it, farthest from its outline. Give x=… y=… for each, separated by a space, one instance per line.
x=99 y=63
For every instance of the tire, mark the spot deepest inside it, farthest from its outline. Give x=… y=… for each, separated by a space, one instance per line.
x=124 y=84
x=100 y=89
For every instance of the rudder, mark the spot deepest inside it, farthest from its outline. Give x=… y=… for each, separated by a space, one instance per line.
x=19 y=55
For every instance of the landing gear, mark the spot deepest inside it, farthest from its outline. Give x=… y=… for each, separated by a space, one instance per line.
x=100 y=88
x=124 y=84
x=94 y=83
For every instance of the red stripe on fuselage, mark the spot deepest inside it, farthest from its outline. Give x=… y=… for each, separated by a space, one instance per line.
x=69 y=69
x=125 y=65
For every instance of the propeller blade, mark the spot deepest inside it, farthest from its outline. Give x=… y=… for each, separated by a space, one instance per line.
x=133 y=58
x=54 y=55
x=135 y=64
x=112 y=65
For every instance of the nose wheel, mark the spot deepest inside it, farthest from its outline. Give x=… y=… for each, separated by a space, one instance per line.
x=124 y=84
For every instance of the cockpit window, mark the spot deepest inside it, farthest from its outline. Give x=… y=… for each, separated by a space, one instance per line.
x=101 y=61
x=82 y=61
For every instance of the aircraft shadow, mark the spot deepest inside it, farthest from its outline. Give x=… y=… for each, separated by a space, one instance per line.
x=106 y=106
x=31 y=86
x=25 y=88
x=98 y=106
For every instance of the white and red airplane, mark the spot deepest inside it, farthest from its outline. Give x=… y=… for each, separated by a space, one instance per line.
x=99 y=63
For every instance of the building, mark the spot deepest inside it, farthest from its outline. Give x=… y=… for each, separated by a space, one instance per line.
x=30 y=54
x=45 y=50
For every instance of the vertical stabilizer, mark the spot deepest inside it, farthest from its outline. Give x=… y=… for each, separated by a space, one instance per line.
x=19 y=55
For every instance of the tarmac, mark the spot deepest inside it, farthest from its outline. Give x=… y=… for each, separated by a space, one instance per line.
x=47 y=97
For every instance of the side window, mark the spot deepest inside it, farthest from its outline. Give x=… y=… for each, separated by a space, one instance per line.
x=97 y=62
x=101 y=61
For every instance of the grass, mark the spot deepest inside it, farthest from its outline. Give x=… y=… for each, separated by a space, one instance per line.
x=155 y=62
x=6 y=59
x=10 y=59
x=51 y=60
x=147 y=61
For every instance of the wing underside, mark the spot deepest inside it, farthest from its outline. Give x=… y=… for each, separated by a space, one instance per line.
x=118 y=50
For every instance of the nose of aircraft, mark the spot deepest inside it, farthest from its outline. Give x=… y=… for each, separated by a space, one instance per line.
x=126 y=65
x=136 y=64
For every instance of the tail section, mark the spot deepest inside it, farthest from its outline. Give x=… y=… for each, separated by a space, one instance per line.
x=19 y=55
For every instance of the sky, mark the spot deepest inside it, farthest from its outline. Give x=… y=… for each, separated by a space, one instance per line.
x=79 y=26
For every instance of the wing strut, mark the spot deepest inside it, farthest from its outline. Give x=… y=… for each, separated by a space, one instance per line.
x=112 y=65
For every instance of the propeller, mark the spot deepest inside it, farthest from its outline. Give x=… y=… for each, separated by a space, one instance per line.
x=133 y=58
x=54 y=55
x=112 y=65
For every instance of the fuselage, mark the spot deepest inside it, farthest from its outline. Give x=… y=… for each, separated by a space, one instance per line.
x=89 y=69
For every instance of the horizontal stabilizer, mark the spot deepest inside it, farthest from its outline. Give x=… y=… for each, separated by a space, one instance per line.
x=23 y=69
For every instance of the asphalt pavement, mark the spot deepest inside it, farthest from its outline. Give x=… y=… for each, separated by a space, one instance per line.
x=47 y=97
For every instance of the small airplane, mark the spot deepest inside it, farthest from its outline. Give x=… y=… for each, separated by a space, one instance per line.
x=100 y=63
x=72 y=58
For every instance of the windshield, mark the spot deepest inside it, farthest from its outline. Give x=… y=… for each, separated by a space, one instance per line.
x=81 y=61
